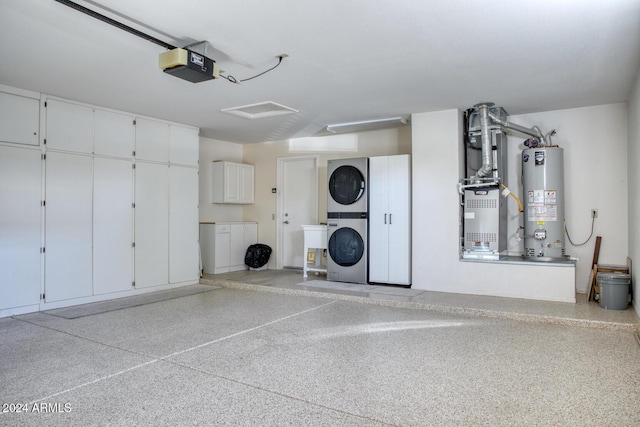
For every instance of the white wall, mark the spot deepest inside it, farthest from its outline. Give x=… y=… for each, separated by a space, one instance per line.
x=210 y=150
x=594 y=140
x=633 y=160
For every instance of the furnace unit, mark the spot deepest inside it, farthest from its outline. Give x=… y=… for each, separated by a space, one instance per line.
x=484 y=211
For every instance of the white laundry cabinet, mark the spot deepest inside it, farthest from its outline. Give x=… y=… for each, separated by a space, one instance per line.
x=224 y=244
x=390 y=219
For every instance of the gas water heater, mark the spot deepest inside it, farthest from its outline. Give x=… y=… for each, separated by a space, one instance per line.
x=543 y=182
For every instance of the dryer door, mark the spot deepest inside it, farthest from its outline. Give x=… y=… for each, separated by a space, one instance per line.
x=346 y=185
x=346 y=247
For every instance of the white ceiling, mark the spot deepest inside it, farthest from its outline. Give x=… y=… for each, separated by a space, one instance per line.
x=349 y=60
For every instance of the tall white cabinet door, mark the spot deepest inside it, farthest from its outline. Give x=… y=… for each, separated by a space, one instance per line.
x=152 y=140
x=68 y=226
x=399 y=219
x=112 y=225
x=390 y=220
x=184 y=146
x=69 y=126
x=151 y=225
x=20 y=196
x=115 y=134
x=183 y=224
x=19 y=119
x=378 y=219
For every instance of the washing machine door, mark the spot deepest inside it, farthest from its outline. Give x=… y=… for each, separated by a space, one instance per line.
x=346 y=247
x=346 y=185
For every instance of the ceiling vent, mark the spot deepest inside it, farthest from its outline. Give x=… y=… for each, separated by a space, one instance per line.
x=260 y=110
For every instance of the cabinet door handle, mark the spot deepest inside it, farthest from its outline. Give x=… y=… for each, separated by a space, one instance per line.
x=389 y=219
x=385 y=218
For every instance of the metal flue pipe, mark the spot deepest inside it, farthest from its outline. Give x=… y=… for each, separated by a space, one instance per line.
x=487 y=153
x=534 y=131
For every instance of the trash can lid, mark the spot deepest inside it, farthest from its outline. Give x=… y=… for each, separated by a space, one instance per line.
x=614 y=278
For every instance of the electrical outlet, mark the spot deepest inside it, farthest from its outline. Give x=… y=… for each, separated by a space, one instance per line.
x=594 y=213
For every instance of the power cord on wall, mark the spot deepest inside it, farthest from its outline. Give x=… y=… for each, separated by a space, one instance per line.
x=566 y=230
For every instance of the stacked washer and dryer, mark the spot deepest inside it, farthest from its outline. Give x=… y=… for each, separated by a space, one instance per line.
x=347 y=220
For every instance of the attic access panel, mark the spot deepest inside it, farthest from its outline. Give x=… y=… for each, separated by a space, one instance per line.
x=260 y=110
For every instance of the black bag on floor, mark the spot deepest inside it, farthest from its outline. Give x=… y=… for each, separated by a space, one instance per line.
x=257 y=255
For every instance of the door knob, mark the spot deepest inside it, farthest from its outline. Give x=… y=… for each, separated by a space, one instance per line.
x=286 y=222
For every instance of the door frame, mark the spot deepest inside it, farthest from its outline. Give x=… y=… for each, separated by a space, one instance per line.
x=280 y=202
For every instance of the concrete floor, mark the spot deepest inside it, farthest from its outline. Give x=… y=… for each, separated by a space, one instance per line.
x=267 y=349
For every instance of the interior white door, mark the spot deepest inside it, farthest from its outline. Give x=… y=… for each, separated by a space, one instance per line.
x=151 y=225
x=20 y=195
x=183 y=224
x=68 y=226
x=112 y=225
x=299 y=206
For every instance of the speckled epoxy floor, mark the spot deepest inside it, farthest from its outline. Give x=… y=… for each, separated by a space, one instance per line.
x=582 y=313
x=242 y=357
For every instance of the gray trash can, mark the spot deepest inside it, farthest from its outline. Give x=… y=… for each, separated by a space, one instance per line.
x=614 y=290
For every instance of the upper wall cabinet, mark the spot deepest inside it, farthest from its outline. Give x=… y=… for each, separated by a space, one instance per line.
x=184 y=146
x=232 y=183
x=19 y=118
x=70 y=127
x=152 y=140
x=114 y=134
